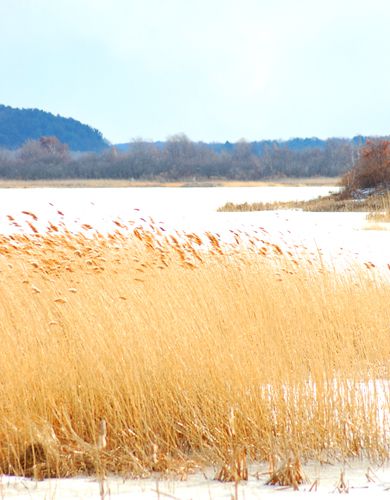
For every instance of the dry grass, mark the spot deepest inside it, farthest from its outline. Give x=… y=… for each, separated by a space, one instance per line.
x=83 y=183
x=331 y=203
x=376 y=227
x=191 y=351
x=111 y=183
x=285 y=181
x=382 y=212
x=376 y=204
x=288 y=474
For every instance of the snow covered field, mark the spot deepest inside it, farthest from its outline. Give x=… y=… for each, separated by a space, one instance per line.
x=342 y=237
x=362 y=482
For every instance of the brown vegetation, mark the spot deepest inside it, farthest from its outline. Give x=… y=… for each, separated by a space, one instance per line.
x=112 y=183
x=288 y=474
x=192 y=351
x=382 y=212
x=371 y=170
x=376 y=204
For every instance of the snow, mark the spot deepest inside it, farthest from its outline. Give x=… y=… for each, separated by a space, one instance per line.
x=340 y=239
x=363 y=482
x=178 y=208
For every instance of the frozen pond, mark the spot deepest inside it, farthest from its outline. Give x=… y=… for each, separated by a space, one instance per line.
x=175 y=206
x=338 y=235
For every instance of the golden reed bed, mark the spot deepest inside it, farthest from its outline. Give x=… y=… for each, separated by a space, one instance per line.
x=140 y=351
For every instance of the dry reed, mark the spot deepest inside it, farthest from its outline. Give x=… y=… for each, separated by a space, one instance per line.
x=377 y=203
x=301 y=356
x=288 y=474
x=382 y=212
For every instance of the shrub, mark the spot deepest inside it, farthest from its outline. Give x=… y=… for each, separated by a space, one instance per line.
x=372 y=169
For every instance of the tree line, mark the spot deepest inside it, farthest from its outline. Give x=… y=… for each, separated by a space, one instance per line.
x=179 y=158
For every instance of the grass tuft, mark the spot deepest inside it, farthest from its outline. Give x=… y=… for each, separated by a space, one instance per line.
x=289 y=474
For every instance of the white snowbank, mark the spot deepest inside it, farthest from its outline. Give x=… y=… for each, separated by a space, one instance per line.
x=364 y=482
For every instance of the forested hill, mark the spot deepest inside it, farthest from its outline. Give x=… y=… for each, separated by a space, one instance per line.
x=19 y=125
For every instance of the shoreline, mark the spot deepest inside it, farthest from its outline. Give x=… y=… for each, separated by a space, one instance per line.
x=122 y=183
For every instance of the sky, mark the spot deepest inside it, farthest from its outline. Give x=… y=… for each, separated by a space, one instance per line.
x=214 y=70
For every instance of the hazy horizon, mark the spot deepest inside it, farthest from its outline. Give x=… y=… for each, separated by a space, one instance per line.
x=216 y=71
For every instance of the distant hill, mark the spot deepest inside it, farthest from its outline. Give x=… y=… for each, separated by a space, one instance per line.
x=19 y=125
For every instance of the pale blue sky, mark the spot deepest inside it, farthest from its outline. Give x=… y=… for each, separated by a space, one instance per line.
x=214 y=69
